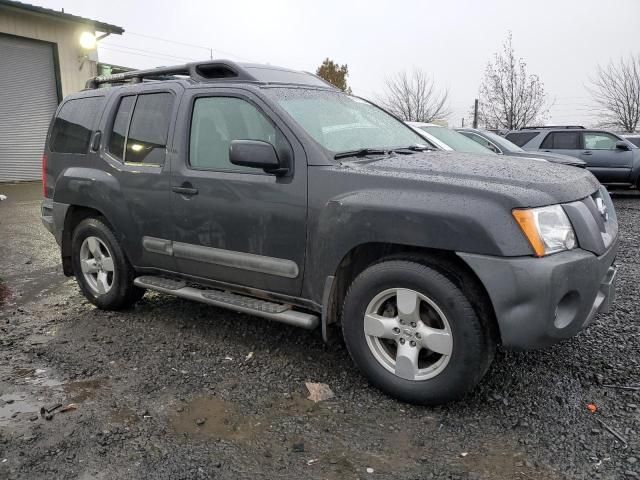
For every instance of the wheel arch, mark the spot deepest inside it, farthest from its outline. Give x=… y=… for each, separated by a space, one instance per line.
x=445 y=261
x=75 y=214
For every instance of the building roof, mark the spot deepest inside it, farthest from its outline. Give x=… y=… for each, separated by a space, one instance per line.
x=99 y=26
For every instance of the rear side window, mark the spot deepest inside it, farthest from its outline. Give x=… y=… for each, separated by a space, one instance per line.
x=520 y=138
x=140 y=128
x=562 y=141
x=72 y=128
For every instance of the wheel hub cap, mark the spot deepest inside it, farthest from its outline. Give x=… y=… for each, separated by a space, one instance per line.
x=408 y=334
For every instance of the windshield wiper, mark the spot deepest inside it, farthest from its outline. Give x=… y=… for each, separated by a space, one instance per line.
x=412 y=148
x=361 y=153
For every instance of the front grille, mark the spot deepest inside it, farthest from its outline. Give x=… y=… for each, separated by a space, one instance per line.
x=594 y=221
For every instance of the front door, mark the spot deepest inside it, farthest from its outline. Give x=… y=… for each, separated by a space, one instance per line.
x=237 y=225
x=605 y=161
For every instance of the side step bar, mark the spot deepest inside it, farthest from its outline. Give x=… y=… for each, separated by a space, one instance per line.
x=233 y=301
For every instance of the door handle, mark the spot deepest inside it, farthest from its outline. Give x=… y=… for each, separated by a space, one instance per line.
x=185 y=190
x=587 y=153
x=95 y=141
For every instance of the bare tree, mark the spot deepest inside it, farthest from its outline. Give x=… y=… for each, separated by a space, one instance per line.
x=509 y=97
x=616 y=89
x=414 y=97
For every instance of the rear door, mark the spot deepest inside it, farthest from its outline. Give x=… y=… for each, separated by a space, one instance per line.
x=136 y=145
x=566 y=143
x=604 y=160
x=233 y=224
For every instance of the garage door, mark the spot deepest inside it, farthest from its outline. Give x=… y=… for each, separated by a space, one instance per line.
x=28 y=99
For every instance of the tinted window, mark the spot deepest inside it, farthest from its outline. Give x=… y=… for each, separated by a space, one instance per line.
x=147 y=139
x=216 y=121
x=72 y=127
x=120 y=124
x=520 y=138
x=562 y=140
x=600 y=141
x=634 y=140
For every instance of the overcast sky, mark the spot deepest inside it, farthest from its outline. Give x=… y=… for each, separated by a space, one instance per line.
x=561 y=40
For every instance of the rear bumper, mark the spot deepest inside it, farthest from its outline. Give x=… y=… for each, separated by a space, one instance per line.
x=540 y=301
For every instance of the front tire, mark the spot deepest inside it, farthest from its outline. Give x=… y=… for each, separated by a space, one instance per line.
x=101 y=268
x=414 y=334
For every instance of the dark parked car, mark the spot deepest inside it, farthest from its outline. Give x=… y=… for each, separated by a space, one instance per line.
x=270 y=192
x=502 y=146
x=611 y=158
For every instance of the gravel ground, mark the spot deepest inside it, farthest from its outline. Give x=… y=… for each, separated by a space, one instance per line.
x=173 y=389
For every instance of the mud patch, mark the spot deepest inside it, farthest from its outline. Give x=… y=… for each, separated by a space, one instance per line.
x=5 y=293
x=83 y=390
x=209 y=416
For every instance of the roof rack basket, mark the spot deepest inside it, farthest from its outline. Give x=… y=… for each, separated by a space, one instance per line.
x=197 y=71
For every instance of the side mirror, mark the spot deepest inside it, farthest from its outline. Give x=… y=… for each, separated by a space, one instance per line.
x=620 y=145
x=255 y=154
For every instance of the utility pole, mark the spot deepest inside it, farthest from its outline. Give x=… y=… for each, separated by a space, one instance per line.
x=475 y=114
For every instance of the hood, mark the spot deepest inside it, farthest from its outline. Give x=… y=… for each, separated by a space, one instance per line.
x=524 y=182
x=551 y=157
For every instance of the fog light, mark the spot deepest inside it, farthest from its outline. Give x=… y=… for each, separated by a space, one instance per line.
x=567 y=309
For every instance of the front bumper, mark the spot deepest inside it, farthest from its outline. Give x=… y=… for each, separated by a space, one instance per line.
x=540 y=301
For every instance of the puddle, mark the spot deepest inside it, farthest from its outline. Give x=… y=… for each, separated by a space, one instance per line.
x=36 y=376
x=221 y=420
x=17 y=407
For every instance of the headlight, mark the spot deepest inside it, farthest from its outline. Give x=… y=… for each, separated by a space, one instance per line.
x=547 y=228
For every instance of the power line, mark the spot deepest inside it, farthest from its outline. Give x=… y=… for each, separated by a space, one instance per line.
x=185 y=44
x=148 y=51
x=159 y=57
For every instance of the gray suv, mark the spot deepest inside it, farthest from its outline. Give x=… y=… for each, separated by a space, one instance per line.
x=269 y=192
x=502 y=146
x=611 y=158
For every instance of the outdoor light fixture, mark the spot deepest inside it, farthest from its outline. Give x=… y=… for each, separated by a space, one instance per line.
x=87 y=40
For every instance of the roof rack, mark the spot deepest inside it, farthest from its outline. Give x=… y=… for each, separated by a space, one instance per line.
x=545 y=127
x=198 y=71
x=214 y=70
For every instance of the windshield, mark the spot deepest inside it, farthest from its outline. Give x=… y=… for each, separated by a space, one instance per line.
x=455 y=140
x=502 y=142
x=342 y=123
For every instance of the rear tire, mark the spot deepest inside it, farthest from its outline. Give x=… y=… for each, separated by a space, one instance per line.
x=101 y=268
x=414 y=334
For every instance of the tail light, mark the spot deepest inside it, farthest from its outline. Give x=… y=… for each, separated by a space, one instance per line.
x=44 y=174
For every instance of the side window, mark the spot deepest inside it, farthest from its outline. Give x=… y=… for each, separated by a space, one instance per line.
x=482 y=141
x=521 y=138
x=599 y=141
x=120 y=125
x=72 y=128
x=147 y=139
x=215 y=122
x=562 y=140
x=140 y=128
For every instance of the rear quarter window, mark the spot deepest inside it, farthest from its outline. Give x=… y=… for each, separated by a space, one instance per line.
x=71 y=131
x=521 y=138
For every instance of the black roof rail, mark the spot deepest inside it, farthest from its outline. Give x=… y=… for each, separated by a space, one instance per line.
x=198 y=71
x=545 y=127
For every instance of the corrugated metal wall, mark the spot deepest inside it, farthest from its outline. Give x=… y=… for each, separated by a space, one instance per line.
x=28 y=99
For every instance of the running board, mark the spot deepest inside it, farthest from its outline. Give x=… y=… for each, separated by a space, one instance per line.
x=233 y=301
